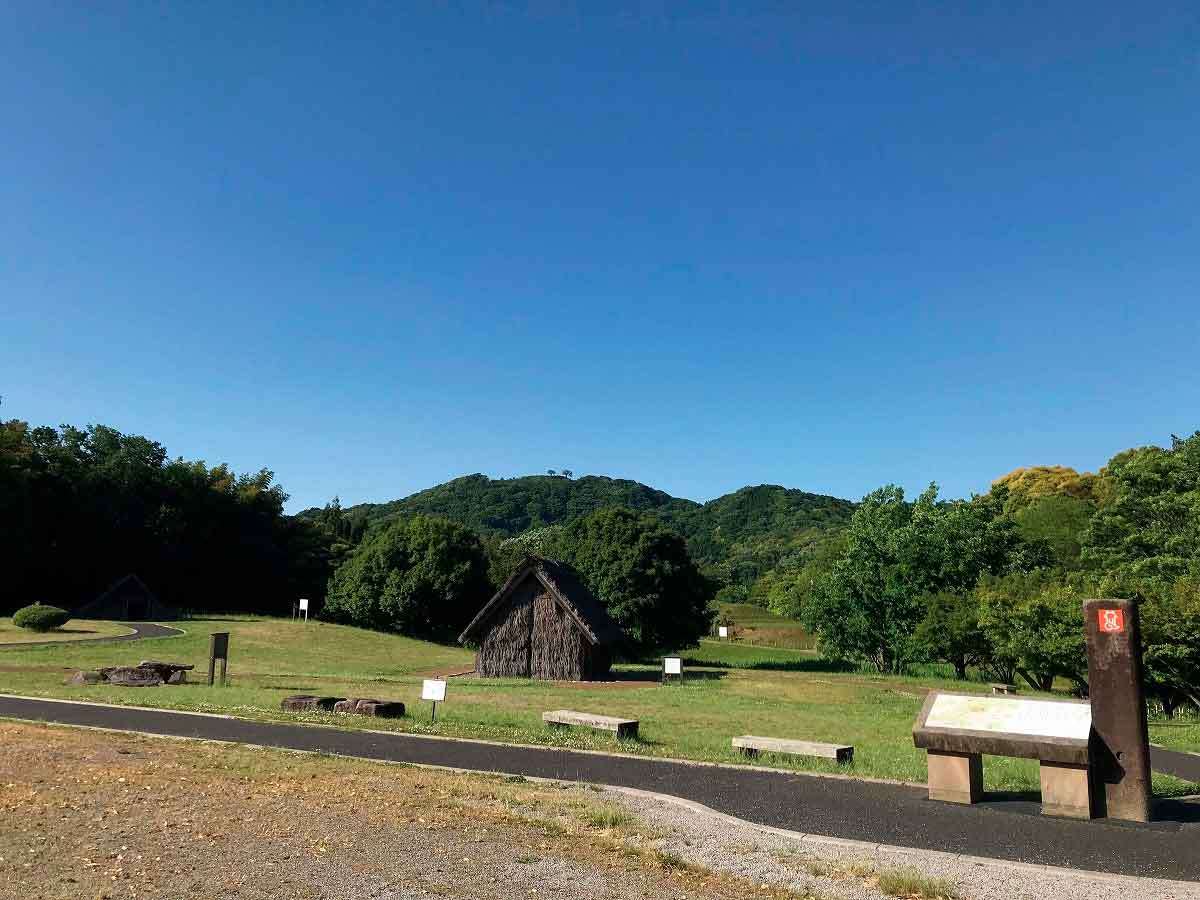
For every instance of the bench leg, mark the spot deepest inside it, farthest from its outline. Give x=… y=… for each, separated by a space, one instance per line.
x=955 y=777
x=1066 y=790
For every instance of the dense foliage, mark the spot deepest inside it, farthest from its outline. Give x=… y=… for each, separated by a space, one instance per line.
x=421 y=576
x=1147 y=535
x=870 y=605
x=736 y=539
x=504 y=507
x=641 y=571
x=82 y=507
x=40 y=617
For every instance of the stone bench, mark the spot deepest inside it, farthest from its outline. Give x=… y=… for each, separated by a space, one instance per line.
x=752 y=745
x=567 y=717
x=956 y=730
x=1003 y=688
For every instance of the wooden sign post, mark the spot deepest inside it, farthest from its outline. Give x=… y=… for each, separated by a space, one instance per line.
x=304 y=607
x=1120 y=740
x=218 y=650
x=434 y=690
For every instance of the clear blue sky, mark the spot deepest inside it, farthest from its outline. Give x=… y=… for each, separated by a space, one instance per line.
x=373 y=250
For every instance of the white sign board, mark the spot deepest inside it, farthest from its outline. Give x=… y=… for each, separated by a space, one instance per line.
x=433 y=689
x=673 y=665
x=723 y=631
x=303 y=604
x=1036 y=718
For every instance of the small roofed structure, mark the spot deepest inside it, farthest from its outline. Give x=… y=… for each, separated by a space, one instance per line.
x=543 y=623
x=127 y=599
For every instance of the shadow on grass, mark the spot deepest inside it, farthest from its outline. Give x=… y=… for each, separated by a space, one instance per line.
x=655 y=676
x=1184 y=812
x=775 y=665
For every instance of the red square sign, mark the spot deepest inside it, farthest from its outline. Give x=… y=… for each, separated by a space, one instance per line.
x=1112 y=620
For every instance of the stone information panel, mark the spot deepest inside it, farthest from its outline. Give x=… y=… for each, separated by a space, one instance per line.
x=1032 y=718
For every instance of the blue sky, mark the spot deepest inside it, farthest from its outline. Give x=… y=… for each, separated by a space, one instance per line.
x=375 y=249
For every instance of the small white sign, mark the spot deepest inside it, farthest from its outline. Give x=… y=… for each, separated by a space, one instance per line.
x=723 y=631
x=433 y=689
x=303 y=604
x=673 y=665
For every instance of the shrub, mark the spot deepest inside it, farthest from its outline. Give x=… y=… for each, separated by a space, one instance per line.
x=39 y=617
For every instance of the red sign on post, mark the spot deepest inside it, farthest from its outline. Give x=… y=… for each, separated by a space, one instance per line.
x=1111 y=620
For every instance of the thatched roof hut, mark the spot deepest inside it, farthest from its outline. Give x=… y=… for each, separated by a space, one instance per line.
x=127 y=599
x=544 y=623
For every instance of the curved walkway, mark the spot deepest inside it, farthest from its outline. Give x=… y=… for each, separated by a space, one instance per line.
x=1176 y=762
x=140 y=630
x=898 y=815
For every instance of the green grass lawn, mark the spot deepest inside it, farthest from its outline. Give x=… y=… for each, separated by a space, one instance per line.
x=763 y=628
x=74 y=630
x=730 y=689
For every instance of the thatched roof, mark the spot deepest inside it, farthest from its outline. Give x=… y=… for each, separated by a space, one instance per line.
x=565 y=586
x=120 y=583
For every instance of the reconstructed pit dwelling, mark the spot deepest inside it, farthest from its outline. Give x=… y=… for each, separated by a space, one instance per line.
x=543 y=623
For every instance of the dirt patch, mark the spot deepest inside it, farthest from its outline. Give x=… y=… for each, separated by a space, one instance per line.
x=87 y=814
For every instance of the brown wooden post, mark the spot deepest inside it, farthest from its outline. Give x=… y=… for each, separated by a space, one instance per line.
x=1120 y=747
x=218 y=650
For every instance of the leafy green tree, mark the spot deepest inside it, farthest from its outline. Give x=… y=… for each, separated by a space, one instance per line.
x=1060 y=521
x=1147 y=535
x=950 y=631
x=897 y=552
x=1027 y=485
x=1171 y=635
x=642 y=572
x=1034 y=626
x=420 y=576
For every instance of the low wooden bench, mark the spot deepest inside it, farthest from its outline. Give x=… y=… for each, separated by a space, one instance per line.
x=956 y=730
x=752 y=745
x=568 y=717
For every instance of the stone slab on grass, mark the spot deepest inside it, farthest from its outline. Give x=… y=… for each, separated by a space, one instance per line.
x=309 y=703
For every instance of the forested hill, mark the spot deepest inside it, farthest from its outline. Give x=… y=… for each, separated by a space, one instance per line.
x=508 y=506
x=503 y=507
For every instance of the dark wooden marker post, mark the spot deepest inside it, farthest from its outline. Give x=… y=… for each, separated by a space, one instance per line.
x=1120 y=740
x=218 y=649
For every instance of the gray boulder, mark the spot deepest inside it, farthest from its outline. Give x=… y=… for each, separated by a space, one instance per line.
x=131 y=676
x=83 y=677
x=309 y=703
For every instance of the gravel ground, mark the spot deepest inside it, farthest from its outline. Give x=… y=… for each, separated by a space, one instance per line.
x=101 y=816
x=829 y=868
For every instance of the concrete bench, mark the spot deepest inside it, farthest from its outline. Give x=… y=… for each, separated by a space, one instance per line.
x=752 y=745
x=568 y=717
x=956 y=730
x=1003 y=688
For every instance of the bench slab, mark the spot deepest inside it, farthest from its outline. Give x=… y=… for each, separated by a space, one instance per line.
x=621 y=727
x=752 y=745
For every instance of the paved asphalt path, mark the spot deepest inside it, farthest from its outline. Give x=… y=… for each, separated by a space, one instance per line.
x=1176 y=762
x=1008 y=829
x=140 y=630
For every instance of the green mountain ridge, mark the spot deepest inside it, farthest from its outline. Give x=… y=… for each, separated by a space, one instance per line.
x=749 y=529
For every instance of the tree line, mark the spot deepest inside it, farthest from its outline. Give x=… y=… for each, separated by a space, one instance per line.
x=995 y=583
x=82 y=507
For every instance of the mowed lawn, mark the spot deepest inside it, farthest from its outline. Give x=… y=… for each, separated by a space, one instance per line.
x=729 y=690
x=74 y=630
x=763 y=628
